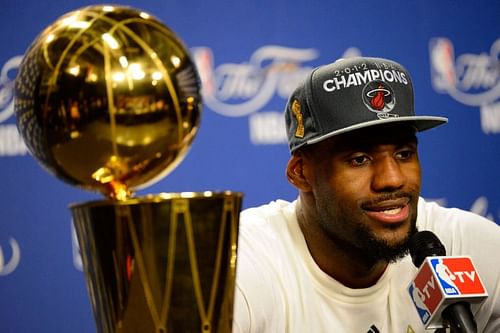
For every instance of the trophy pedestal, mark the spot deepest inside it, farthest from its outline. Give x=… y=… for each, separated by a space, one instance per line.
x=161 y=263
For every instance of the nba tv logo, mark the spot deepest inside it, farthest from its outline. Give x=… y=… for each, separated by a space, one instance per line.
x=444 y=280
x=457 y=276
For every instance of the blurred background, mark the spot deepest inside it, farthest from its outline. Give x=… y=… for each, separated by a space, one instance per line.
x=250 y=56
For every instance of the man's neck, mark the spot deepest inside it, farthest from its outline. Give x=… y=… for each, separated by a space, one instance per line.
x=347 y=267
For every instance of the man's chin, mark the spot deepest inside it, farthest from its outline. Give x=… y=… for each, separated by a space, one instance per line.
x=390 y=245
x=394 y=237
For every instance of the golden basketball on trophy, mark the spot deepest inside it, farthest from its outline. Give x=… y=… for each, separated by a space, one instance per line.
x=108 y=99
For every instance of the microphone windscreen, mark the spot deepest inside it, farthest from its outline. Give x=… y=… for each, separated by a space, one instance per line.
x=425 y=244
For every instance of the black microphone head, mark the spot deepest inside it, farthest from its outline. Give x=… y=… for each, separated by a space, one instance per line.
x=425 y=244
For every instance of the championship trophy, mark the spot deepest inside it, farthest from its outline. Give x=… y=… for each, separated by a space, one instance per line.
x=108 y=100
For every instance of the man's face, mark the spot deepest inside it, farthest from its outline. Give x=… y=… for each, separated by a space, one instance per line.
x=366 y=185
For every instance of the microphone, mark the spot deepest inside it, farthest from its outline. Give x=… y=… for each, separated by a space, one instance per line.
x=444 y=285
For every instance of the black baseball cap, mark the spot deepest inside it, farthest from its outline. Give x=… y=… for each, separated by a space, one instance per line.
x=351 y=94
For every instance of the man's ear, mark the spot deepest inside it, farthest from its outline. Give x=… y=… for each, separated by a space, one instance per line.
x=295 y=172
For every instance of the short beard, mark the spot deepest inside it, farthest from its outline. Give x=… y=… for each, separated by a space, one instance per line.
x=378 y=249
x=369 y=250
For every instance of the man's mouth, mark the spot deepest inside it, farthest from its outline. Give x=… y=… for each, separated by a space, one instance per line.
x=393 y=211
x=390 y=211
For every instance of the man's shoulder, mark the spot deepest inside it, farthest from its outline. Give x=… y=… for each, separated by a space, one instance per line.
x=269 y=213
x=269 y=208
x=267 y=227
x=431 y=214
x=458 y=229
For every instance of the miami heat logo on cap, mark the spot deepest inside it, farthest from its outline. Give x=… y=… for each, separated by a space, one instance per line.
x=379 y=97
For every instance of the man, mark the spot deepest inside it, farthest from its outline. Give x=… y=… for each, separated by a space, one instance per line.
x=336 y=259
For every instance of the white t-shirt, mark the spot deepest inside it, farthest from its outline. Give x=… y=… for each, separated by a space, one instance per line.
x=281 y=289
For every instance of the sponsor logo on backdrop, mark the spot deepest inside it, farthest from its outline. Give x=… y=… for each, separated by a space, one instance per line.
x=237 y=90
x=245 y=89
x=11 y=143
x=479 y=207
x=470 y=79
x=9 y=259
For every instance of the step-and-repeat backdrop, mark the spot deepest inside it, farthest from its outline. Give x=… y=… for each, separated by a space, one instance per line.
x=254 y=53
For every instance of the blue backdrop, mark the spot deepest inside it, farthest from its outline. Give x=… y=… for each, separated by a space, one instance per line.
x=250 y=56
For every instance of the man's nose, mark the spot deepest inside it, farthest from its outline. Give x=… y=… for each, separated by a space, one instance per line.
x=387 y=175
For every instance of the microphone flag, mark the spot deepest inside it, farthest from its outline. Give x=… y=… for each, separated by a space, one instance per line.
x=441 y=281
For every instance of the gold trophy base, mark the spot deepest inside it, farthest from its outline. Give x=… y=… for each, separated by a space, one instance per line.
x=160 y=263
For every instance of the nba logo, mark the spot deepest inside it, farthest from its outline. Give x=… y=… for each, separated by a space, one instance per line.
x=426 y=293
x=419 y=305
x=441 y=281
x=457 y=276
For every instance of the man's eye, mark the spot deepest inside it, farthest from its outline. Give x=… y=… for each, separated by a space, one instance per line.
x=359 y=160
x=405 y=154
